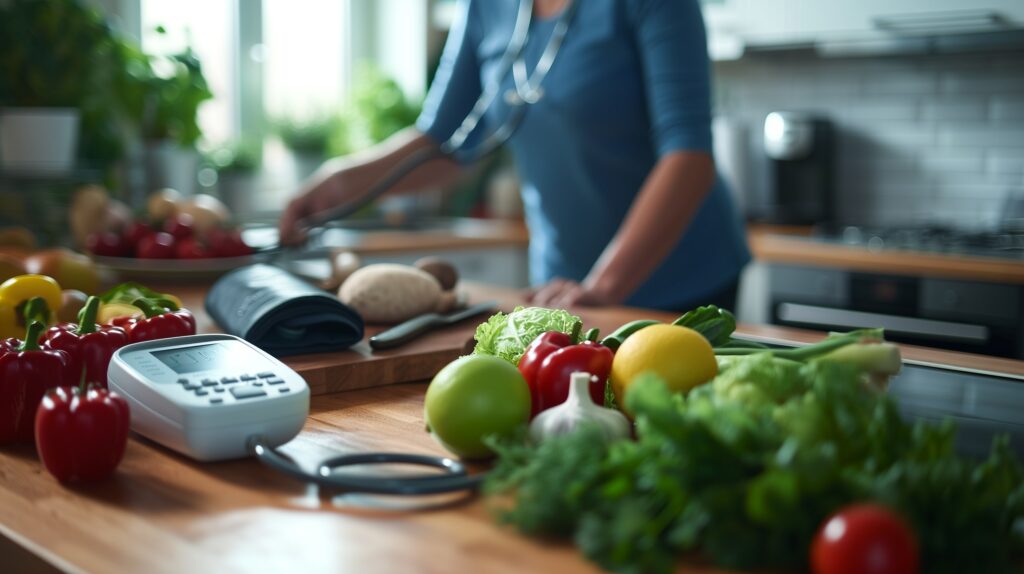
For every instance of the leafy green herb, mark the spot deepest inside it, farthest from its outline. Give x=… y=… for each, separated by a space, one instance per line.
x=745 y=469
x=127 y=293
x=715 y=324
x=508 y=335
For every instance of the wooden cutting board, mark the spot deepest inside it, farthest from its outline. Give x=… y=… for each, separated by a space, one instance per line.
x=359 y=367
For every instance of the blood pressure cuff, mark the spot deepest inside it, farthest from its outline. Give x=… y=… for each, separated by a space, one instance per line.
x=280 y=313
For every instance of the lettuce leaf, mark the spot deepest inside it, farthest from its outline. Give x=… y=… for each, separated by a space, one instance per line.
x=508 y=335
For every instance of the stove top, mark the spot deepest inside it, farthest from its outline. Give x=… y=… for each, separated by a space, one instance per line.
x=933 y=239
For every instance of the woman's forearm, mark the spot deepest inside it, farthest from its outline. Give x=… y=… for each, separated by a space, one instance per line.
x=362 y=169
x=661 y=212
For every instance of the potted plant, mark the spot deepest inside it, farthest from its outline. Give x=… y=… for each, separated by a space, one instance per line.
x=58 y=64
x=307 y=140
x=166 y=106
x=237 y=165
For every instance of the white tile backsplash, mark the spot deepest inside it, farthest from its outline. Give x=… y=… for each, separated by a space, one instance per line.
x=920 y=138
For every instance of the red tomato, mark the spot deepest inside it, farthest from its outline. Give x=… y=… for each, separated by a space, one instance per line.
x=180 y=226
x=157 y=246
x=191 y=248
x=864 y=539
x=107 y=244
x=135 y=231
x=229 y=244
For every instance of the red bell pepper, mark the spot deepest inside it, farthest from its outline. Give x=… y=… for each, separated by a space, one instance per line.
x=550 y=361
x=90 y=346
x=81 y=432
x=25 y=375
x=163 y=320
x=8 y=345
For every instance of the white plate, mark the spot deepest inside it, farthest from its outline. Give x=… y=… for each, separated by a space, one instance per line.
x=173 y=270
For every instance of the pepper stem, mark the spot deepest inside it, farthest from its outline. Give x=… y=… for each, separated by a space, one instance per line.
x=149 y=307
x=574 y=335
x=35 y=330
x=592 y=335
x=166 y=303
x=36 y=309
x=87 y=316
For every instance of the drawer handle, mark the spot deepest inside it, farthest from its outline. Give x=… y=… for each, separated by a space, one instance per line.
x=828 y=317
x=942 y=22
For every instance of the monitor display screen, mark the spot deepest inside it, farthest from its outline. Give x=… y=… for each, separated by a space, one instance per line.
x=209 y=357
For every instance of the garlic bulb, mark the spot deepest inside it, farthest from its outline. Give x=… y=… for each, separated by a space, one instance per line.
x=579 y=409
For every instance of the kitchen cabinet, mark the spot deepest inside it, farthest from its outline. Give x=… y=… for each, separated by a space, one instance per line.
x=735 y=26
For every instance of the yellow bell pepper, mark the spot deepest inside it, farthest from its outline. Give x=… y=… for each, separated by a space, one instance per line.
x=16 y=291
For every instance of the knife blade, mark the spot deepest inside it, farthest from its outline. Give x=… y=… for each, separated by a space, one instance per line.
x=404 y=332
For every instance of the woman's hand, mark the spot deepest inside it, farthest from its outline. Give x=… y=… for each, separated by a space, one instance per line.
x=324 y=190
x=561 y=293
x=345 y=179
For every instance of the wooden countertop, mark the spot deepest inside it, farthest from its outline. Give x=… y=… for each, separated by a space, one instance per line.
x=793 y=246
x=462 y=233
x=164 y=513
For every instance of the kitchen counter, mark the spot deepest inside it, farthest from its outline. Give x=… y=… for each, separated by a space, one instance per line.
x=795 y=246
x=162 y=512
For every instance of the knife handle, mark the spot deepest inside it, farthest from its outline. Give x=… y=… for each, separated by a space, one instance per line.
x=404 y=332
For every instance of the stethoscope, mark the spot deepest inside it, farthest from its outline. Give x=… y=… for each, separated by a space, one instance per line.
x=527 y=91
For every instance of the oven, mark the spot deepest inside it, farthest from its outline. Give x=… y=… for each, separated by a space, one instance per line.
x=969 y=316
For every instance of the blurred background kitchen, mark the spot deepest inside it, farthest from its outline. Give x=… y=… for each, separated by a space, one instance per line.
x=876 y=148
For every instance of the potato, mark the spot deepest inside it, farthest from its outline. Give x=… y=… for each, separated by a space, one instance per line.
x=163 y=204
x=343 y=264
x=88 y=212
x=10 y=267
x=443 y=271
x=18 y=237
x=390 y=293
x=71 y=302
x=207 y=213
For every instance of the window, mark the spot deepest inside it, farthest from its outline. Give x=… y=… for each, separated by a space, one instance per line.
x=305 y=57
x=208 y=27
x=269 y=59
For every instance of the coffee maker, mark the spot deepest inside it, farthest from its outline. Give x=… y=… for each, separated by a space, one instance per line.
x=800 y=151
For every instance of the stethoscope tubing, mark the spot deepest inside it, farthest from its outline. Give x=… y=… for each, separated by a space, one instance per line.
x=454 y=479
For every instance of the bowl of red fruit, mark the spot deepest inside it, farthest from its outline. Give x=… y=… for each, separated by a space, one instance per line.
x=179 y=239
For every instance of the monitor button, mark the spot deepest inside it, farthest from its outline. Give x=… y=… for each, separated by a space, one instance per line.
x=247 y=392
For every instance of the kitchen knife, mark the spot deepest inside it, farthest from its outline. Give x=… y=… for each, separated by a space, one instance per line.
x=404 y=332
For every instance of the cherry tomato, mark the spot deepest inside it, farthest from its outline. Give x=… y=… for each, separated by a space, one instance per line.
x=864 y=539
x=180 y=226
x=157 y=246
x=191 y=248
x=135 y=231
x=107 y=244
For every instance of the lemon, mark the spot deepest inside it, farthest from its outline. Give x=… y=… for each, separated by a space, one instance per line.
x=679 y=355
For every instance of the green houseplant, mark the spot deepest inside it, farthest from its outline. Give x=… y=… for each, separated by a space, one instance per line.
x=163 y=94
x=60 y=64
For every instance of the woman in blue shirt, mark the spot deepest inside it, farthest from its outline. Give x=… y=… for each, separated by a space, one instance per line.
x=619 y=186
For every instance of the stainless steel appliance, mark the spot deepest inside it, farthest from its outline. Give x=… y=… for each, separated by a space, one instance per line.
x=800 y=152
x=965 y=315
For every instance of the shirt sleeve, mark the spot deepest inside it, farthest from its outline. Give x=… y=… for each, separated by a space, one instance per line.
x=456 y=86
x=672 y=43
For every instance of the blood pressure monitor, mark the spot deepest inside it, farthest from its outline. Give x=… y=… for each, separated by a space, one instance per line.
x=206 y=395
